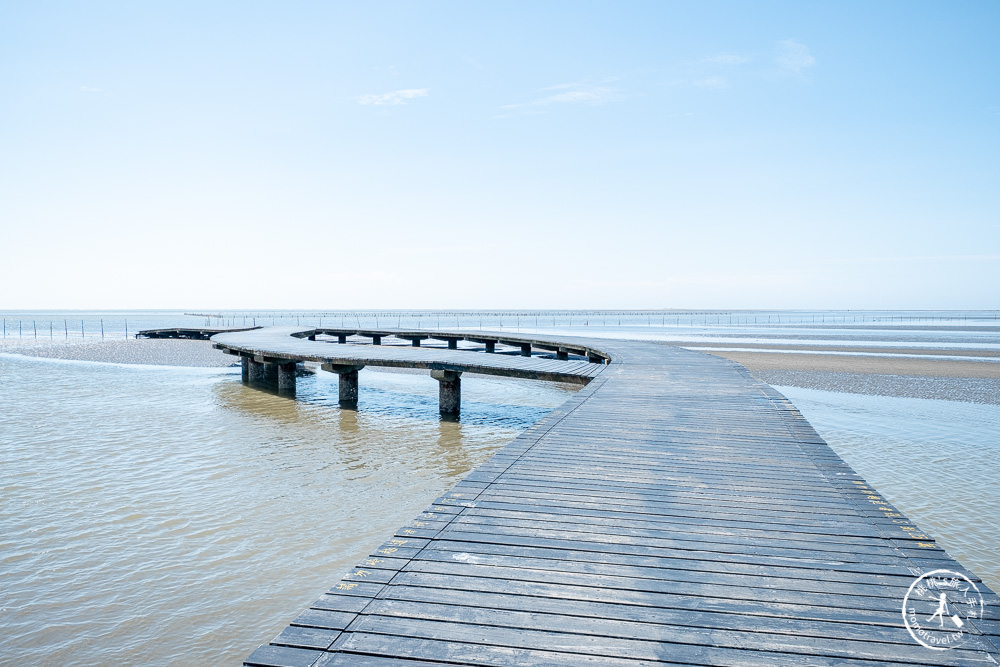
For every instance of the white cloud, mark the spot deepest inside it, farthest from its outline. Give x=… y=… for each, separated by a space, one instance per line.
x=794 y=57
x=567 y=93
x=395 y=97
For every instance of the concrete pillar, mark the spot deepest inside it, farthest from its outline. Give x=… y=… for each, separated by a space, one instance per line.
x=349 y=389
x=449 y=393
x=491 y=346
x=256 y=371
x=415 y=342
x=452 y=343
x=312 y=337
x=348 y=383
x=376 y=340
x=286 y=378
x=525 y=349
x=342 y=338
x=562 y=353
x=270 y=374
x=245 y=369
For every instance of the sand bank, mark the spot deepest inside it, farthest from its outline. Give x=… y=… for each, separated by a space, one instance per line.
x=801 y=347
x=942 y=379
x=156 y=352
x=840 y=363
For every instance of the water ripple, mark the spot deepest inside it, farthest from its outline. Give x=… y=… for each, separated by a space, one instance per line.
x=178 y=517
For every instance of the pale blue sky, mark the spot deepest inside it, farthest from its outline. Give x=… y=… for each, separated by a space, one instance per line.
x=500 y=155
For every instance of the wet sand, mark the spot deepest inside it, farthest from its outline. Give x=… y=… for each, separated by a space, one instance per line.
x=158 y=352
x=799 y=347
x=945 y=379
x=840 y=363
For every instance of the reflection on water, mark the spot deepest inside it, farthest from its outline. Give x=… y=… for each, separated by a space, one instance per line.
x=937 y=461
x=174 y=516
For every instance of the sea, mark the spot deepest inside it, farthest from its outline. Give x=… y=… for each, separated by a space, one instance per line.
x=168 y=515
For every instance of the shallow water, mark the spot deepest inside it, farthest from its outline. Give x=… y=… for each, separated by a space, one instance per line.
x=174 y=516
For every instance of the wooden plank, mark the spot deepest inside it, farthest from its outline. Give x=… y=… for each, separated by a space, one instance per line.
x=271 y=655
x=629 y=638
x=481 y=644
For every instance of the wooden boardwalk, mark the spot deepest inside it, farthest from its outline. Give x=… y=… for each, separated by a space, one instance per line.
x=673 y=511
x=277 y=344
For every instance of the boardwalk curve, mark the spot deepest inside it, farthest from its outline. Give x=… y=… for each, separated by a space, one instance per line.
x=674 y=510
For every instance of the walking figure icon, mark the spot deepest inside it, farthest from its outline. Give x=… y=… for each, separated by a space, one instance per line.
x=942 y=610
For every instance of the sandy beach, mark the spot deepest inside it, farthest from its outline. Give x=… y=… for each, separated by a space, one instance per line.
x=948 y=379
x=843 y=363
x=151 y=351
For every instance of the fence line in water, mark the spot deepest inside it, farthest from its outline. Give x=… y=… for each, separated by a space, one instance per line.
x=96 y=328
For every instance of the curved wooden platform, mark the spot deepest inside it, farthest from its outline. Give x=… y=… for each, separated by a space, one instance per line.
x=673 y=511
x=291 y=344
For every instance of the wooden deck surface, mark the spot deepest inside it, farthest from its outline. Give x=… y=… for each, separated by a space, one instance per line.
x=672 y=511
x=277 y=343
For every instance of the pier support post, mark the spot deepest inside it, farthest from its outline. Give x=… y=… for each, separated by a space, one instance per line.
x=594 y=359
x=348 y=383
x=525 y=349
x=312 y=337
x=270 y=374
x=562 y=353
x=491 y=346
x=452 y=343
x=376 y=340
x=286 y=378
x=256 y=371
x=342 y=338
x=449 y=392
x=245 y=369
